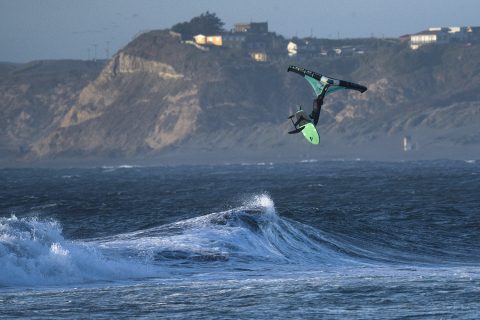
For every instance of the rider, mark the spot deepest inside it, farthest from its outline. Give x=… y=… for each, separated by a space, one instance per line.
x=317 y=105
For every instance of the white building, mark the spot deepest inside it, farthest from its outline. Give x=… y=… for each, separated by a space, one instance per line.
x=292 y=49
x=440 y=35
x=408 y=144
x=432 y=35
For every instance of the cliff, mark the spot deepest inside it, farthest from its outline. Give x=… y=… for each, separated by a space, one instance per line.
x=160 y=99
x=34 y=98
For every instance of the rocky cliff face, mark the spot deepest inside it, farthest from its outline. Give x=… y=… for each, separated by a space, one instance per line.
x=35 y=97
x=160 y=97
x=134 y=106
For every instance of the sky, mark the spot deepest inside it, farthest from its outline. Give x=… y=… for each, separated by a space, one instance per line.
x=84 y=29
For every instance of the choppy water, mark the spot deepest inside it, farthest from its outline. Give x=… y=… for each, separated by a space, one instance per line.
x=306 y=240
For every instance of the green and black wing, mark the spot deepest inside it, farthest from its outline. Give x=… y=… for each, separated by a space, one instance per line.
x=318 y=81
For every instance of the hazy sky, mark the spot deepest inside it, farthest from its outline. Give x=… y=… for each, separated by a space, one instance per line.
x=56 y=29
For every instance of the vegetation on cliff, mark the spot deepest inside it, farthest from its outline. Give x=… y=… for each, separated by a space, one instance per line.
x=206 y=23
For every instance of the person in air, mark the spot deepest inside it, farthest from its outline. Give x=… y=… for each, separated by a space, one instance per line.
x=302 y=118
x=320 y=84
x=317 y=105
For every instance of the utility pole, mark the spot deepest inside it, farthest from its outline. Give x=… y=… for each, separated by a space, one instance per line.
x=95 y=52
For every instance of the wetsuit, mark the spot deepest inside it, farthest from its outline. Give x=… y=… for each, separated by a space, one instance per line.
x=317 y=105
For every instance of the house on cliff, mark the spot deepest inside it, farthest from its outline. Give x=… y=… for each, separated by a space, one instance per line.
x=444 y=35
x=253 y=37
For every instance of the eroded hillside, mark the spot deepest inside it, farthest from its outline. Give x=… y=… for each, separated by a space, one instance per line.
x=162 y=97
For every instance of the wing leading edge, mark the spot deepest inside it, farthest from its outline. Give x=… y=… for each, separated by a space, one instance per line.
x=318 y=81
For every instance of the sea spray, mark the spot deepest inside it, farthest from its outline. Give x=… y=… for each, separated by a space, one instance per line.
x=34 y=252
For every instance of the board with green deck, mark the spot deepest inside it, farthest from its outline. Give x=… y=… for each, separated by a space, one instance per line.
x=311 y=134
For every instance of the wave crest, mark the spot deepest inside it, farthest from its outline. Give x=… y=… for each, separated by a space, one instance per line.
x=252 y=233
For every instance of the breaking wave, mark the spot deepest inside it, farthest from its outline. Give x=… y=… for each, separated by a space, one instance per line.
x=249 y=237
x=34 y=252
x=250 y=234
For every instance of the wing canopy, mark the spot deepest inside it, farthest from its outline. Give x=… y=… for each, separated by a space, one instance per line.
x=318 y=81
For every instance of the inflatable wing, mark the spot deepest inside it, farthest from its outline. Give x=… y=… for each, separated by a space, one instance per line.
x=318 y=81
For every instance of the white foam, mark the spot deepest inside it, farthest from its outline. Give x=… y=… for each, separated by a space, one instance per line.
x=122 y=166
x=257 y=164
x=34 y=252
x=309 y=161
x=261 y=201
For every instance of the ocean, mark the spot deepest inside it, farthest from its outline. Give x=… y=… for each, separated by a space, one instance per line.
x=307 y=240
